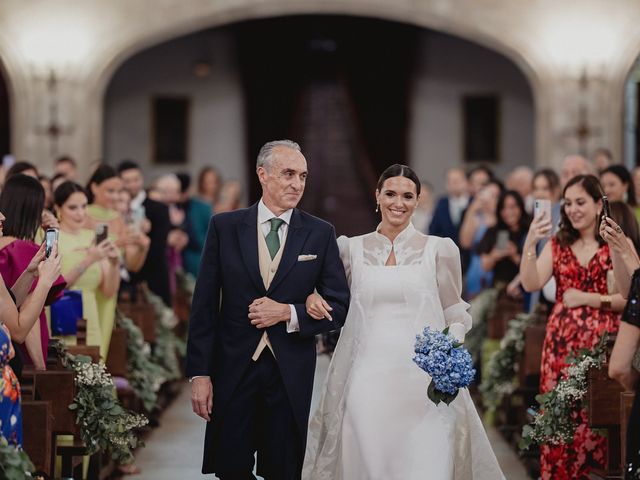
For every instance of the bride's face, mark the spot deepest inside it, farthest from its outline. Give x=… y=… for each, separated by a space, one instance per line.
x=398 y=199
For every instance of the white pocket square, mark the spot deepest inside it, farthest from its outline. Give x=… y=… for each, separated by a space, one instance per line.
x=306 y=258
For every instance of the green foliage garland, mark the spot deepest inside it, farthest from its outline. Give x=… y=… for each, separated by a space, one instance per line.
x=144 y=375
x=481 y=309
x=104 y=424
x=500 y=374
x=552 y=424
x=14 y=462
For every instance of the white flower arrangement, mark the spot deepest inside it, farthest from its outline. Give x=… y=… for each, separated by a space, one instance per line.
x=552 y=423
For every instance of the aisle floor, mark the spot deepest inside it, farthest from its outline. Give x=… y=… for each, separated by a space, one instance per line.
x=174 y=451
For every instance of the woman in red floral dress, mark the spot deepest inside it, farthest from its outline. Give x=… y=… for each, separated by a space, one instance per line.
x=579 y=260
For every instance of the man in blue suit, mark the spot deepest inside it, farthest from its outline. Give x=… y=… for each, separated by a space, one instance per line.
x=251 y=348
x=447 y=215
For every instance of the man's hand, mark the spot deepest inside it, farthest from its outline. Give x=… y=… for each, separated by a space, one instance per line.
x=317 y=307
x=202 y=397
x=264 y=312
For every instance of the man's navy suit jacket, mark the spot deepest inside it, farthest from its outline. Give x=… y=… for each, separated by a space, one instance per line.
x=221 y=338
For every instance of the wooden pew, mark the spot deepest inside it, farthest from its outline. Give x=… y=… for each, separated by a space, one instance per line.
x=37 y=434
x=141 y=312
x=117 y=356
x=603 y=408
x=505 y=310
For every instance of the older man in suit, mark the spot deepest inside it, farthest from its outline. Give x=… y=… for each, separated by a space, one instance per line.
x=251 y=348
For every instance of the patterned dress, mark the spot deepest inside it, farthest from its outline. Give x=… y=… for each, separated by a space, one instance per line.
x=10 y=413
x=569 y=330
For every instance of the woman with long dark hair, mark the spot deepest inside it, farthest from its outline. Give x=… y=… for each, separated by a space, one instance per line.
x=579 y=260
x=22 y=202
x=501 y=247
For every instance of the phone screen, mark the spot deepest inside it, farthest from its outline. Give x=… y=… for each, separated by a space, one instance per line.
x=51 y=238
x=502 y=240
x=102 y=232
x=606 y=211
x=541 y=206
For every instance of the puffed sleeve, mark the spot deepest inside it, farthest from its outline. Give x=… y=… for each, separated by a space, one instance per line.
x=345 y=255
x=449 y=278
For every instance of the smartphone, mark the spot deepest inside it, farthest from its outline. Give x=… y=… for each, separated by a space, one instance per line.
x=542 y=206
x=50 y=239
x=502 y=240
x=102 y=232
x=606 y=211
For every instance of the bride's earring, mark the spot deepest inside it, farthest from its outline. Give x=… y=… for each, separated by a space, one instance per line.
x=377 y=207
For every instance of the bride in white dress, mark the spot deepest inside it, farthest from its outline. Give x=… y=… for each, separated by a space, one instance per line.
x=375 y=421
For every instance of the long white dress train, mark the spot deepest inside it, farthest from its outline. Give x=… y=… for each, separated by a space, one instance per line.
x=374 y=421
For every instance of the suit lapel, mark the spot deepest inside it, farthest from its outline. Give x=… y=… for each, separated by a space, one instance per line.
x=296 y=237
x=247 y=239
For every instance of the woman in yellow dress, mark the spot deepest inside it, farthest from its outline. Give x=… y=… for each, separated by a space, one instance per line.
x=103 y=191
x=91 y=268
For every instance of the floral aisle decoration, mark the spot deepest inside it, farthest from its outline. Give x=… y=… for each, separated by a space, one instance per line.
x=168 y=346
x=500 y=378
x=104 y=424
x=144 y=375
x=552 y=423
x=186 y=282
x=14 y=462
x=447 y=362
x=482 y=307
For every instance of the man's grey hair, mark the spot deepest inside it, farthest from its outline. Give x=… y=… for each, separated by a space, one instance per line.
x=266 y=152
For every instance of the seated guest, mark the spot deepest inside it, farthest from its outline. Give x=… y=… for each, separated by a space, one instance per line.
x=618 y=185
x=10 y=411
x=209 y=186
x=22 y=201
x=166 y=189
x=501 y=247
x=66 y=166
x=197 y=216
x=447 y=215
x=478 y=218
x=102 y=192
x=86 y=266
x=154 y=270
x=24 y=168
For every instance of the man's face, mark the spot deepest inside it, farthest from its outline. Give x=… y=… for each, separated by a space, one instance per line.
x=573 y=166
x=283 y=181
x=457 y=183
x=67 y=169
x=133 y=181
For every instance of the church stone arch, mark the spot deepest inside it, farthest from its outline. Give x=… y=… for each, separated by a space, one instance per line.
x=217 y=15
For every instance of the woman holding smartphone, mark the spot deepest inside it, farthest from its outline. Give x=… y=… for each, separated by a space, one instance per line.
x=22 y=202
x=501 y=247
x=87 y=265
x=579 y=259
x=103 y=191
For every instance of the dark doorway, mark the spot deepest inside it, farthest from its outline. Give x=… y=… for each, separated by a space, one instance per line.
x=5 y=125
x=339 y=86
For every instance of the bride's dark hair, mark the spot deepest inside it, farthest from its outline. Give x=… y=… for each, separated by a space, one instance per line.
x=398 y=170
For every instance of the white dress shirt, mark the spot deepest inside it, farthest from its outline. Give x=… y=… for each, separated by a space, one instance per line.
x=264 y=220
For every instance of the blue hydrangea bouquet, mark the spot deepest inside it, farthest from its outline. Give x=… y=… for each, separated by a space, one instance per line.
x=447 y=362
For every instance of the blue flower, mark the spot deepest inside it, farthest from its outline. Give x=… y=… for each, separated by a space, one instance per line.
x=450 y=367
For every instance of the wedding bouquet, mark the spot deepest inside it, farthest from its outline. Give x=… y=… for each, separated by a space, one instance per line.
x=447 y=362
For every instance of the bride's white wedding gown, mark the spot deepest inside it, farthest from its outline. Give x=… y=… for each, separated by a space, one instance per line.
x=375 y=421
